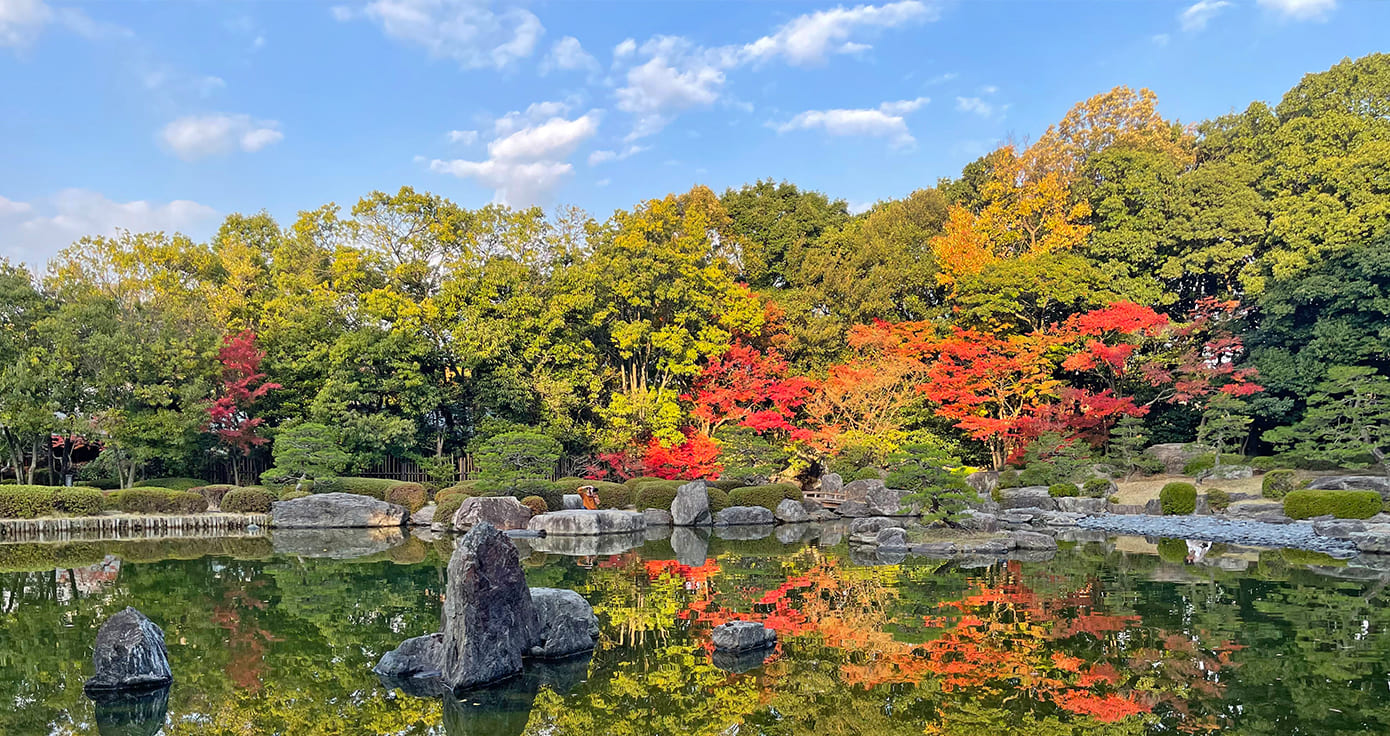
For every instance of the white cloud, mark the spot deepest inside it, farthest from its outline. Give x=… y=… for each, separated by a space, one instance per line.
x=625 y=48
x=526 y=164
x=569 y=55
x=885 y=121
x=536 y=112
x=1300 y=9
x=55 y=222
x=195 y=136
x=810 y=39
x=1196 y=16
x=678 y=76
x=467 y=31
x=1160 y=39
x=603 y=182
x=463 y=137
x=599 y=157
x=976 y=105
x=23 y=21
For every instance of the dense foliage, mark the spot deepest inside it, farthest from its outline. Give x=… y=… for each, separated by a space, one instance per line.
x=1122 y=280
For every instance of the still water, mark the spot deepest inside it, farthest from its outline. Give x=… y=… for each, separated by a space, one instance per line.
x=1108 y=637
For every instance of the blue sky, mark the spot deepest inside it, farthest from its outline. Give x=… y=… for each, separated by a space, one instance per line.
x=169 y=115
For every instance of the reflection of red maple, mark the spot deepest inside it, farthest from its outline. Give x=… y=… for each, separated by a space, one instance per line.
x=247 y=643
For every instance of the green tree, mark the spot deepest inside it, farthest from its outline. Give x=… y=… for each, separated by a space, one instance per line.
x=926 y=471
x=306 y=451
x=506 y=458
x=1347 y=421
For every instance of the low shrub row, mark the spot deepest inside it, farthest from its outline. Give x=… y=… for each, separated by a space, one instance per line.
x=149 y=500
x=1063 y=490
x=250 y=500
x=173 y=484
x=32 y=502
x=1306 y=504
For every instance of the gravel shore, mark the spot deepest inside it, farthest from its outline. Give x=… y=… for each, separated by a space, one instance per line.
x=1298 y=534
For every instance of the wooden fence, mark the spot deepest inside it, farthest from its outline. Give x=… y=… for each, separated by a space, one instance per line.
x=96 y=528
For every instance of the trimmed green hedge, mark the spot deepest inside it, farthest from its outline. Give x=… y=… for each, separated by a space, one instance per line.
x=718 y=500
x=1278 y=483
x=1208 y=461
x=1063 y=490
x=173 y=484
x=1096 y=488
x=1172 y=550
x=214 y=493
x=1306 y=504
x=292 y=494
x=614 y=495
x=374 y=487
x=1178 y=499
x=1218 y=500
x=725 y=485
x=657 y=494
x=248 y=501
x=632 y=483
x=446 y=506
x=410 y=495
x=551 y=492
x=32 y=502
x=147 y=500
x=766 y=496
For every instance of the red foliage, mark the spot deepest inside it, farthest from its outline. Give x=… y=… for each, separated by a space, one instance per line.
x=696 y=457
x=748 y=387
x=243 y=384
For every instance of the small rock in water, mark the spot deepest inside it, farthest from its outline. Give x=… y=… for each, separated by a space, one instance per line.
x=742 y=636
x=566 y=623
x=418 y=657
x=130 y=654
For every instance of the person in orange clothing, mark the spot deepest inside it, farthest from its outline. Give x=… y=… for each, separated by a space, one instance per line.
x=589 y=496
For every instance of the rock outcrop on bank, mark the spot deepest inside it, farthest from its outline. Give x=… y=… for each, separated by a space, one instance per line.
x=336 y=510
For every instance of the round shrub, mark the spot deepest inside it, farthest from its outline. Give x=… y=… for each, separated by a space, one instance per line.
x=632 y=483
x=1008 y=478
x=1062 y=490
x=571 y=482
x=214 y=493
x=173 y=484
x=103 y=484
x=718 y=500
x=1178 y=499
x=1112 y=499
x=1278 y=483
x=613 y=495
x=1172 y=550
x=146 y=500
x=1306 y=504
x=248 y=501
x=766 y=496
x=865 y=474
x=536 y=504
x=445 y=507
x=657 y=494
x=292 y=494
x=725 y=485
x=1097 y=488
x=551 y=493
x=410 y=495
x=26 y=502
x=1218 y=500
x=78 y=501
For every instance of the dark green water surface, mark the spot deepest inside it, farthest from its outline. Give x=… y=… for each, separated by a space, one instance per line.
x=1108 y=637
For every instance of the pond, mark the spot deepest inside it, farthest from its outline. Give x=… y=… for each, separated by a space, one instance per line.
x=1109 y=636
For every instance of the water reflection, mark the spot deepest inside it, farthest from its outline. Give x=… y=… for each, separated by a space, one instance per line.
x=1104 y=637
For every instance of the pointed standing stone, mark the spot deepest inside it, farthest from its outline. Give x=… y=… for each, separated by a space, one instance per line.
x=130 y=654
x=488 y=614
x=691 y=505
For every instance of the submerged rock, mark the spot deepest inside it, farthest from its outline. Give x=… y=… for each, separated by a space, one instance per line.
x=584 y=522
x=336 y=510
x=740 y=662
x=420 y=657
x=488 y=615
x=742 y=636
x=130 y=655
x=503 y=512
x=566 y=624
x=691 y=505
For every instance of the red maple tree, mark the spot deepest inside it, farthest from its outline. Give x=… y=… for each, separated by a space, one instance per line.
x=243 y=384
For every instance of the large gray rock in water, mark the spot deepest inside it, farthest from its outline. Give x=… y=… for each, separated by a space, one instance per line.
x=488 y=615
x=503 y=512
x=743 y=516
x=691 y=546
x=791 y=512
x=130 y=655
x=1173 y=455
x=1378 y=483
x=423 y=517
x=1030 y=497
x=1080 y=505
x=742 y=636
x=330 y=510
x=657 y=517
x=420 y=657
x=871 y=524
x=691 y=505
x=584 y=522
x=892 y=538
x=854 y=509
x=566 y=624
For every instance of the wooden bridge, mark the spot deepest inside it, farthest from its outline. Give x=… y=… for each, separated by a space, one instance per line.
x=827 y=499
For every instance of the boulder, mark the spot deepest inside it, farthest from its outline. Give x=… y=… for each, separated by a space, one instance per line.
x=1032 y=541
x=1136 y=509
x=1228 y=472
x=657 y=517
x=691 y=505
x=1060 y=518
x=888 y=501
x=584 y=522
x=336 y=510
x=893 y=537
x=414 y=658
x=870 y=524
x=811 y=505
x=743 y=636
x=129 y=655
x=1030 y=497
x=565 y=624
x=1377 y=483
x=571 y=501
x=1173 y=455
x=1079 y=505
x=858 y=490
x=503 y=512
x=831 y=483
x=1202 y=507
x=1153 y=507
x=691 y=546
x=853 y=509
x=743 y=516
x=983 y=481
x=1339 y=528
x=423 y=517
x=978 y=521
x=489 y=618
x=791 y=512
x=1019 y=516
x=1371 y=542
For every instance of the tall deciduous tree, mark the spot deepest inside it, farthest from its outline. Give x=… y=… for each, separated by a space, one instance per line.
x=243 y=385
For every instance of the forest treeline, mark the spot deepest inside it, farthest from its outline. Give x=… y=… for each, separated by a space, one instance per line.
x=1125 y=279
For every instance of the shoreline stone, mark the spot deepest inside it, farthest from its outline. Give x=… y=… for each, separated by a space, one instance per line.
x=336 y=511
x=691 y=505
x=584 y=522
x=502 y=512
